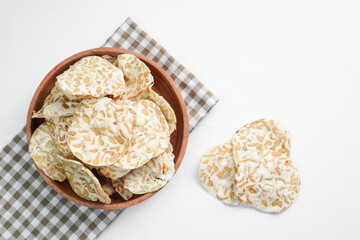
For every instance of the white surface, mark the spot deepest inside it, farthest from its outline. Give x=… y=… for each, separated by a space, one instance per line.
x=297 y=62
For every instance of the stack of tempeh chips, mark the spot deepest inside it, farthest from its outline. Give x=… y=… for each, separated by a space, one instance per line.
x=254 y=169
x=105 y=130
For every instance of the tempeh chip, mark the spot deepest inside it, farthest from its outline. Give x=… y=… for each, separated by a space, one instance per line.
x=150 y=137
x=153 y=175
x=113 y=171
x=92 y=76
x=137 y=75
x=59 y=130
x=266 y=178
x=217 y=173
x=57 y=104
x=100 y=131
x=83 y=181
x=267 y=186
x=43 y=152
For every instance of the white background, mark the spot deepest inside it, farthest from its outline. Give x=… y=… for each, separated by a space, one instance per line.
x=297 y=62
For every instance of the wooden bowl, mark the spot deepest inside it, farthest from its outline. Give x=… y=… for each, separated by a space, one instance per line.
x=164 y=85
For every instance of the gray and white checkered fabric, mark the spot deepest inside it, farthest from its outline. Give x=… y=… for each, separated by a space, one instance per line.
x=30 y=209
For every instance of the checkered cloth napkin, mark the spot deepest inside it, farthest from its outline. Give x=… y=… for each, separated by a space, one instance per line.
x=30 y=209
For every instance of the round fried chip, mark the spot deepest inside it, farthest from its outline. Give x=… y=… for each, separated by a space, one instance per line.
x=267 y=186
x=92 y=76
x=57 y=109
x=59 y=130
x=264 y=137
x=163 y=132
x=43 y=152
x=153 y=175
x=57 y=104
x=56 y=95
x=118 y=184
x=137 y=75
x=150 y=136
x=217 y=173
x=100 y=131
x=266 y=178
x=83 y=181
x=165 y=109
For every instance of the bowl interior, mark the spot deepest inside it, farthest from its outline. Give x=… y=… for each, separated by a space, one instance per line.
x=163 y=85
